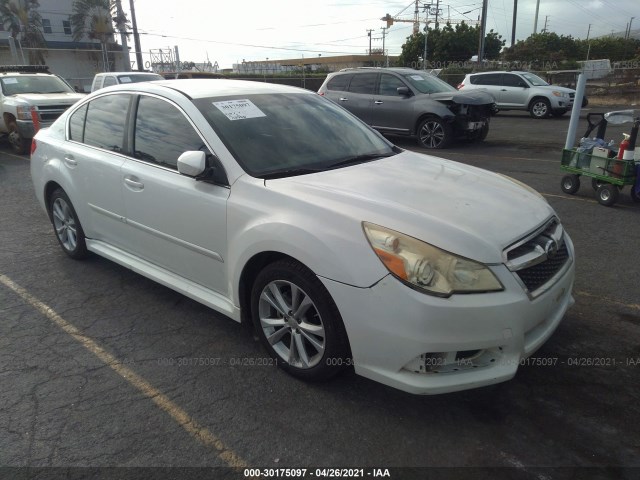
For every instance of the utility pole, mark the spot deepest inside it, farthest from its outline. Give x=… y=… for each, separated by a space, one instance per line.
x=121 y=22
x=546 y=18
x=384 y=35
x=483 y=29
x=588 y=31
x=136 y=37
x=513 y=24
x=629 y=31
x=535 y=21
x=369 y=34
x=437 y=12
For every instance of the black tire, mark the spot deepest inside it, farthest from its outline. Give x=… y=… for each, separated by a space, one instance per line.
x=585 y=102
x=19 y=144
x=634 y=196
x=434 y=133
x=481 y=135
x=570 y=184
x=311 y=345
x=595 y=184
x=66 y=225
x=607 y=194
x=540 y=108
x=558 y=113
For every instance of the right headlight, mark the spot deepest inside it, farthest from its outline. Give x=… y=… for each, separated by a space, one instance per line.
x=428 y=268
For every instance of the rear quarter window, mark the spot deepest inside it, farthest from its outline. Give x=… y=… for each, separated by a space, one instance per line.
x=489 y=79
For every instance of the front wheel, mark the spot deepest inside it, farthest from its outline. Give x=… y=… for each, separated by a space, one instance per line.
x=570 y=184
x=540 y=108
x=298 y=322
x=66 y=225
x=434 y=133
x=607 y=194
x=19 y=144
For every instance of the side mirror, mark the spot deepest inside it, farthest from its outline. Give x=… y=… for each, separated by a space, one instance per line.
x=403 y=91
x=207 y=168
x=192 y=163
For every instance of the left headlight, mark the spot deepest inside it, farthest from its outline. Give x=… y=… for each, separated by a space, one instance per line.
x=428 y=268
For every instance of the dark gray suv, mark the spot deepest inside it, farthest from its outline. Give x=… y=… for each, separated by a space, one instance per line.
x=404 y=101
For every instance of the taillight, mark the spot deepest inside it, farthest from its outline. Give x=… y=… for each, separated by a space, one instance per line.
x=33 y=146
x=321 y=94
x=460 y=85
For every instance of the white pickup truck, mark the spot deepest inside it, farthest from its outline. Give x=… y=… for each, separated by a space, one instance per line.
x=31 y=98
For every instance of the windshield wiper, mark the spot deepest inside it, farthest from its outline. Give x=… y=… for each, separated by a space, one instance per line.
x=359 y=159
x=291 y=172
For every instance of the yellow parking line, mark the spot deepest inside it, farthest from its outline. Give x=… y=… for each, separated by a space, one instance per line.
x=19 y=157
x=200 y=433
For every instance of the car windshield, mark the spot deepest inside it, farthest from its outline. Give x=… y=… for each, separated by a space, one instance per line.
x=425 y=83
x=139 y=78
x=534 y=80
x=34 y=84
x=288 y=134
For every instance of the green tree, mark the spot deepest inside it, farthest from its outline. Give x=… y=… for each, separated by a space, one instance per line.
x=94 y=19
x=542 y=49
x=449 y=44
x=24 y=24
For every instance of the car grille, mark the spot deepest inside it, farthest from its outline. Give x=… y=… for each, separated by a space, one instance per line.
x=48 y=113
x=538 y=259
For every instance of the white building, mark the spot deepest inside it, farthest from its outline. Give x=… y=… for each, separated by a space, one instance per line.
x=77 y=62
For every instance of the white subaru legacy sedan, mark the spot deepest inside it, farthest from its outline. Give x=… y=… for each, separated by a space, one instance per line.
x=272 y=205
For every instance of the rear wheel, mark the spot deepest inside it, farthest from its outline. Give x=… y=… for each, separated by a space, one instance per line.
x=66 y=225
x=607 y=194
x=434 y=133
x=298 y=322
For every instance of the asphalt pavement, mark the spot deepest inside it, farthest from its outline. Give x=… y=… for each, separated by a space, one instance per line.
x=105 y=374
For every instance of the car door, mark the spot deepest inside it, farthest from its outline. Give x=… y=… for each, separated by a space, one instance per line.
x=513 y=91
x=92 y=158
x=358 y=98
x=490 y=82
x=391 y=111
x=176 y=222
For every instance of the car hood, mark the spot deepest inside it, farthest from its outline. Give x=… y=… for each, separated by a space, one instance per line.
x=48 y=98
x=472 y=97
x=462 y=209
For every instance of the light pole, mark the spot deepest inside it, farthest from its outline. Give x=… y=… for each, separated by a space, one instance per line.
x=426 y=33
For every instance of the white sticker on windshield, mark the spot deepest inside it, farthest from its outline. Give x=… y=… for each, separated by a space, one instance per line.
x=9 y=81
x=416 y=77
x=125 y=79
x=239 y=109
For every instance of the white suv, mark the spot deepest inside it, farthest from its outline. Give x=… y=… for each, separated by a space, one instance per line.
x=522 y=91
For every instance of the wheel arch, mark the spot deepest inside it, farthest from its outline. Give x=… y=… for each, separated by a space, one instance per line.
x=248 y=275
x=537 y=97
x=49 y=188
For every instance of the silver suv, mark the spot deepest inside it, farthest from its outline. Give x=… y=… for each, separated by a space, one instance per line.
x=522 y=91
x=404 y=101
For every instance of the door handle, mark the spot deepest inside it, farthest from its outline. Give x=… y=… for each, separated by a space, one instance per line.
x=133 y=183
x=378 y=102
x=70 y=161
x=343 y=99
x=503 y=90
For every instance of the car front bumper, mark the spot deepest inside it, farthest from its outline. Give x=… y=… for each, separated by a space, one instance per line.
x=428 y=345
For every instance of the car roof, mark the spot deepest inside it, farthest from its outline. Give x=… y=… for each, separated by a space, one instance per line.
x=205 y=87
x=126 y=73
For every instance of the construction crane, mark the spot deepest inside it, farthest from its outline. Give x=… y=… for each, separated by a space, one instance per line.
x=416 y=17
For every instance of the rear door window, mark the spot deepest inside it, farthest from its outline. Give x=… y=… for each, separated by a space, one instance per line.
x=105 y=124
x=363 y=83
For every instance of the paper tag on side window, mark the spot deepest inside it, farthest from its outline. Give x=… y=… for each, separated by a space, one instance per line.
x=239 y=109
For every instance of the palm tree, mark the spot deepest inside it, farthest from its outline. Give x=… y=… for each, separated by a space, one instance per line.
x=94 y=19
x=24 y=23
